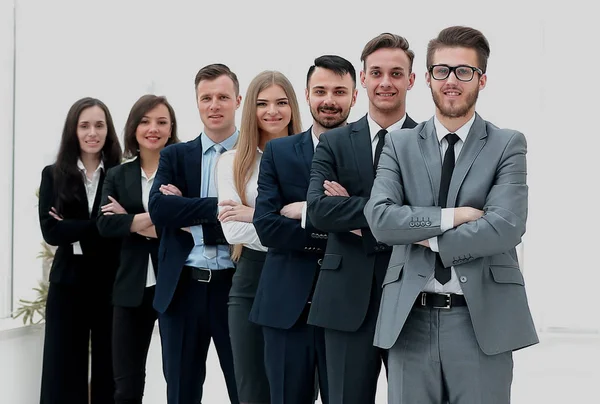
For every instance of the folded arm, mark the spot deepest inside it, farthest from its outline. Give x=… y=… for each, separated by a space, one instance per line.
x=331 y=213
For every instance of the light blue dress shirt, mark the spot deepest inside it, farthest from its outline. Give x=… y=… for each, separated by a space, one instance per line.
x=201 y=256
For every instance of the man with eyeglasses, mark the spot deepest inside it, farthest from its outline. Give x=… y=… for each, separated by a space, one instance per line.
x=451 y=196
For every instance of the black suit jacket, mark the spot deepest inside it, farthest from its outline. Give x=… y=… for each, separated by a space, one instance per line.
x=343 y=290
x=99 y=260
x=124 y=183
x=291 y=265
x=180 y=165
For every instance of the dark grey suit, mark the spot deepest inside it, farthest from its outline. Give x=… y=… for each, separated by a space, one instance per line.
x=490 y=175
x=348 y=290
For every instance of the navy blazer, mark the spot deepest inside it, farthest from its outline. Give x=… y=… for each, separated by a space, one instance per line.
x=180 y=165
x=294 y=254
x=124 y=183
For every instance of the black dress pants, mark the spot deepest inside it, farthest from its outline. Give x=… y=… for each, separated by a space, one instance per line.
x=132 y=334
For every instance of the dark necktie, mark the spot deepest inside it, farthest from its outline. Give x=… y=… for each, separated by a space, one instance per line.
x=443 y=275
x=381 y=136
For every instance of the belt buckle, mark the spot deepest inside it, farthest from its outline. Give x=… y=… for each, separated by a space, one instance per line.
x=209 y=275
x=447 y=305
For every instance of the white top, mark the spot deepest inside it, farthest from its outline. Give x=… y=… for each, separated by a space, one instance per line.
x=91 y=188
x=146 y=187
x=374 y=128
x=447 y=220
x=91 y=185
x=238 y=232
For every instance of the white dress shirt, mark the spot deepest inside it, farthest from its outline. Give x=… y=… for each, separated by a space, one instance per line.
x=91 y=188
x=146 y=186
x=447 y=219
x=91 y=185
x=238 y=232
x=374 y=128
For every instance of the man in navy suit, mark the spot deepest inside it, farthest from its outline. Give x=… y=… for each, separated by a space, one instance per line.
x=294 y=350
x=194 y=267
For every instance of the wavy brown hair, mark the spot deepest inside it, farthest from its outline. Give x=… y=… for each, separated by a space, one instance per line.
x=249 y=137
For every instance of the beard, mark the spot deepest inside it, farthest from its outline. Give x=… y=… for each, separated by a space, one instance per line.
x=454 y=109
x=331 y=122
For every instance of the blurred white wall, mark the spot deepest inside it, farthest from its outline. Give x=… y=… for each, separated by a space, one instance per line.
x=541 y=81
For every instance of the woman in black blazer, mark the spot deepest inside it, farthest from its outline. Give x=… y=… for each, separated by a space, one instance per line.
x=150 y=127
x=78 y=307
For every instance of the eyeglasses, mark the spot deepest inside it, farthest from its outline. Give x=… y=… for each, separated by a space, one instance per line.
x=462 y=72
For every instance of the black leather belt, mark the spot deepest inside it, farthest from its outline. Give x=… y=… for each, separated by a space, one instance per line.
x=209 y=275
x=439 y=300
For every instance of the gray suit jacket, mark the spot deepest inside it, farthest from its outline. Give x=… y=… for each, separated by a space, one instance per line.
x=490 y=174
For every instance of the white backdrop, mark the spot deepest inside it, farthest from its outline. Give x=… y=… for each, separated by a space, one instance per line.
x=541 y=81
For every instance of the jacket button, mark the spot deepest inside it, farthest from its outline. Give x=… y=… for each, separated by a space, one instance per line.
x=411 y=224
x=427 y=223
x=463 y=279
x=320 y=261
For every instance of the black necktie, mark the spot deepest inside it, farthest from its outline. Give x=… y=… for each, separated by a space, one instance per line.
x=443 y=275
x=381 y=135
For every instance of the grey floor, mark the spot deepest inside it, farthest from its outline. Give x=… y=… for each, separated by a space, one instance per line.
x=563 y=369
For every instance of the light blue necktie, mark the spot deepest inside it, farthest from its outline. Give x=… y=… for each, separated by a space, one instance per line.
x=210 y=251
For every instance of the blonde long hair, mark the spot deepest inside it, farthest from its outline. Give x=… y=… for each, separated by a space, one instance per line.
x=249 y=137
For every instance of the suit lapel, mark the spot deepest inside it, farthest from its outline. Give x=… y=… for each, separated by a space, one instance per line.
x=470 y=150
x=363 y=152
x=305 y=150
x=430 y=149
x=408 y=123
x=193 y=168
x=133 y=184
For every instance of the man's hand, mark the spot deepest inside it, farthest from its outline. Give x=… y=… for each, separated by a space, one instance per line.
x=358 y=232
x=466 y=214
x=233 y=211
x=113 y=208
x=187 y=229
x=169 y=189
x=293 y=210
x=332 y=188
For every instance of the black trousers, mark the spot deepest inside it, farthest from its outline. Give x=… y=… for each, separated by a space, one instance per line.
x=247 y=339
x=197 y=313
x=132 y=333
x=294 y=359
x=353 y=363
x=74 y=314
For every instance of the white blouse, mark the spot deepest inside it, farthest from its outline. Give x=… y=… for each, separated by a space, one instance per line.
x=146 y=187
x=238 y=232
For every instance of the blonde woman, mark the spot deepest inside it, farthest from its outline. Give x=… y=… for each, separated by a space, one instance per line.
x=270 y=111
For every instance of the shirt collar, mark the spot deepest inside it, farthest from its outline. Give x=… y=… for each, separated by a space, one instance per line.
x=81 y=167
x=374 y=126
x=315 y=139
x=227 y=144
x=462 y=132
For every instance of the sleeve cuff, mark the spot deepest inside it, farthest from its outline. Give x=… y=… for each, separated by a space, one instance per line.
x=447 y=220
x=433 y=244
x=303 y=224
x=197 y=234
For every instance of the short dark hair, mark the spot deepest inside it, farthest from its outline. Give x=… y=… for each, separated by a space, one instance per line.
x=336 y=64
x=460 y=37
x=141 y=107
x=214 y=71
x=387 y=40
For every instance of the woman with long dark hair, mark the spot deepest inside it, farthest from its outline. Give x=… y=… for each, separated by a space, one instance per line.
x=78 y=308
x=150 y=127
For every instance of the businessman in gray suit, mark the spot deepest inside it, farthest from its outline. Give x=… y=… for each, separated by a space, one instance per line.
x=451 y=196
